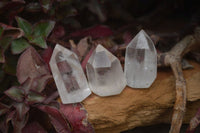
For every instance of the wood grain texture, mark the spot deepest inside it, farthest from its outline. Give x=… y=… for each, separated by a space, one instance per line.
x=141 y=107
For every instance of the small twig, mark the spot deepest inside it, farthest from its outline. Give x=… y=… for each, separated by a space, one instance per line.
x=195 y=121
x=173 y=59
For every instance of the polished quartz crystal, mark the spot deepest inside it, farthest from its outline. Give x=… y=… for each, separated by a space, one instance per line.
x=104 y=72
x=140 y=61
x=68 y=75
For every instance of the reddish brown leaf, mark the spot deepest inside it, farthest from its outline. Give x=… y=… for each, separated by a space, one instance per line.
x=58 y=32
x=21 y=110
x=26 y=85
x=30 y=65
x=33 y=127
x=95 y=32
x=39 y=83
x=77 y=116
x=20 y=117
x=127 y=37
x=46 y=55
x=58 y=120
x=18 y=125
x=13 y=32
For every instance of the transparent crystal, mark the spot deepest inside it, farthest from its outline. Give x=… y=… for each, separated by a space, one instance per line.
x=68 y=75
x=140 y=61
x=104 y=72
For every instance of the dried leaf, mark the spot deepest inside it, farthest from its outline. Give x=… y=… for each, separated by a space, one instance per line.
x=95 y=32
x=33 y=127
x=77 y=116
x=15 y=93
x=19 y=45
x=59 y=122
x=30 y=65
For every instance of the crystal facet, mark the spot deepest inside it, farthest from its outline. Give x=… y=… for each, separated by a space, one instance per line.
x=68 y=75
x=140 y=61
x=104 y=72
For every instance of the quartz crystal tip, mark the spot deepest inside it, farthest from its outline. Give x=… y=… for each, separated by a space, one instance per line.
x=104 y=72
x=140 y=61
x=68 y=75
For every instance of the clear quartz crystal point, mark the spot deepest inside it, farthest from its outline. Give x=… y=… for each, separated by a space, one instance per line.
x=104 y=72
x=140 y=61
x=68 y=75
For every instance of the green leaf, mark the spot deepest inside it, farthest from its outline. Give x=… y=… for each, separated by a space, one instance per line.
x=10 y=65
x=35 y=97
x=43 y=28
x=25 y=26
x=19 y=45
x=15 y=93
x=4 y=42
x=39 y=41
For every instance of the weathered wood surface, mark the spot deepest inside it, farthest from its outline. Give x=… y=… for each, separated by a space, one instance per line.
x=141 y=107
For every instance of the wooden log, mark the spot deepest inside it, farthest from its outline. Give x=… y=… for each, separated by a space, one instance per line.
x=142 y=107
